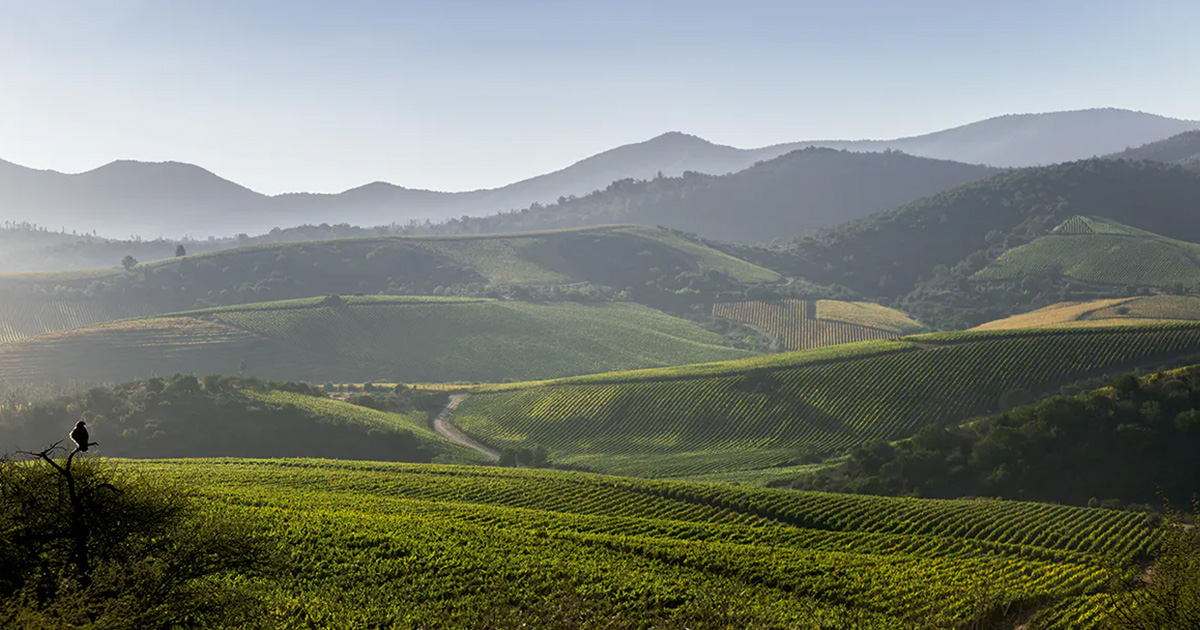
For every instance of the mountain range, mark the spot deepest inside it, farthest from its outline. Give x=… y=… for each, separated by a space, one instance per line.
x=174 y=199
x=806 y=189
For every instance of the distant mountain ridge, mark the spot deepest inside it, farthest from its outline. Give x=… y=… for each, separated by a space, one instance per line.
x=1020 y=140
x=807 y=189
x=174 y=199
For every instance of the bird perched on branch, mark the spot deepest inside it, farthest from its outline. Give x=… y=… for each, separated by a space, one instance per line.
x=79 y=435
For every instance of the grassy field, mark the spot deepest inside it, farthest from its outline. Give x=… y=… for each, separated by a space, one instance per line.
x=1101 y=252
x=804 y=324
x=783 y=409
x=383 y=545
x=1114 y=311
x=387 y=339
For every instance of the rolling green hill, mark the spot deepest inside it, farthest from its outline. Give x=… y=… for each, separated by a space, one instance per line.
x=382 y=338
x=1112 y=311
x=650 y=264
x=1100 y=251
x=787 y=409
x=452 y=546
x=181 y=416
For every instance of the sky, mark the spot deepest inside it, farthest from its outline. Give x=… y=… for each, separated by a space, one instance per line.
x=300 y=95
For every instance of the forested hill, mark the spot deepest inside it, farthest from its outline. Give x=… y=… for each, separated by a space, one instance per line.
x=888 y=254
x=803 y=190
x=1183 y=148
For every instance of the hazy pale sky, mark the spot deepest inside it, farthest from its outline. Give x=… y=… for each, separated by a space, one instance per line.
x=288 y=95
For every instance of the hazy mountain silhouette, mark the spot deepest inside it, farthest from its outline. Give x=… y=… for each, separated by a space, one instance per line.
x=122 y=197
x=1030 y=139
x=803 y=190
x=174 y=199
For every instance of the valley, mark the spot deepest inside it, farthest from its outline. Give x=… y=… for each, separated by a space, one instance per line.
x=816 y=385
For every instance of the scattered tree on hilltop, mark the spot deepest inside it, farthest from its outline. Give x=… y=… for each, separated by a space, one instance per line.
x=128 y=262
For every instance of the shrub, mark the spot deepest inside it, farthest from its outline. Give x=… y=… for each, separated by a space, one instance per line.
x=86 y=544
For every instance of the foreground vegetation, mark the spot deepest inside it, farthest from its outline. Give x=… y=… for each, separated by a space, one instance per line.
x=84 y=544
x=375 y=545
x=796 y=408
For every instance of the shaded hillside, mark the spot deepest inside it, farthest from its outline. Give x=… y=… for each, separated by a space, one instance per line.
x=795 y=408
x=1128 y=442
x=803 y=190
x=648 y=265
x=389 y=339
x=1183 y=148
x=222 y=416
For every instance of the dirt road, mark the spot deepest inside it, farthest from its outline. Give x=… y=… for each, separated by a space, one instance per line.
x=441 y=424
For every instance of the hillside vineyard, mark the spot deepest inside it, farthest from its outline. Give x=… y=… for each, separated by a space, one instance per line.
x=751 y=415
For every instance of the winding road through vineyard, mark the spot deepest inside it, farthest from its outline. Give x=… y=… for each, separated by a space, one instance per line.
x=441 y=424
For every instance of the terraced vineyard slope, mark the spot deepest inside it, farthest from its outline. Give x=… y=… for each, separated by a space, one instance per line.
x=1115 y=312
x=804 y=324
x=445 y=546
x=24 y=318
x=1100 y=251
x=388 y=339
x=785 y=409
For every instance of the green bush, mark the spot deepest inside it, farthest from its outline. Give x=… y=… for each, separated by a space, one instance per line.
x=85 y=544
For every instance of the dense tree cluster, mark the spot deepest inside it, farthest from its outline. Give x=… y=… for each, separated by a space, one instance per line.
x=400 y=398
